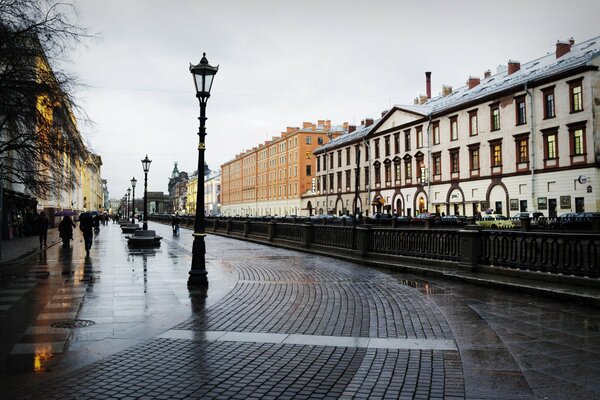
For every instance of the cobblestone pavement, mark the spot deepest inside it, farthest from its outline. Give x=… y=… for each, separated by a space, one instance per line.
x=277 y=324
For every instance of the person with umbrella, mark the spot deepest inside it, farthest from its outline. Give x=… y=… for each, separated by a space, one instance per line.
x=42 y=223
x=65 y=228
x=86 y=224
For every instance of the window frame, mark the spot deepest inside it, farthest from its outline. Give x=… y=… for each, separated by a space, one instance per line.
x=520 y=101
x=453 y=128
x=574 y=84
x=549 y=91
x=473 y=130
x=581 y=157
x=474 y=150
x=436 y=132
x=495 y=117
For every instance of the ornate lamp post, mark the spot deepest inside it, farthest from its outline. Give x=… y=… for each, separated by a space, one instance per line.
x=128 y=197
x=204 y=74
x=133 y=182
x=146 y=166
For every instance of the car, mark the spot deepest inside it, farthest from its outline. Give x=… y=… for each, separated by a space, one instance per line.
x=452 y=220
x=537 y=218
x=430 y=216
x=495 y=221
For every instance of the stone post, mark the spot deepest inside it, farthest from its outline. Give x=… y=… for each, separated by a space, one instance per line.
x=363 y=234
x=271 y=230
x=525 y=223
x=307 y=234
x=228 y=226
x=596 y=224
x=247 y=228
x=470 y=246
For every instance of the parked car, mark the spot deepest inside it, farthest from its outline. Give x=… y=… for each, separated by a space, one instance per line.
x=495 y=221
x=452 y=220
x=431 y=216
x=537 y=218
x=567 y=220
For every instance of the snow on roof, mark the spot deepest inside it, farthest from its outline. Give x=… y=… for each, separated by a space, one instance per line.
x=359 y=133
x=581 y=54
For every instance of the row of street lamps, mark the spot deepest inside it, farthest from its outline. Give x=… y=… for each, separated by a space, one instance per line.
x=203 y=74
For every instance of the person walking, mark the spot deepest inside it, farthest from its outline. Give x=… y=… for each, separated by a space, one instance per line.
x=86 y=224
x=42 y=224
x=65 y=229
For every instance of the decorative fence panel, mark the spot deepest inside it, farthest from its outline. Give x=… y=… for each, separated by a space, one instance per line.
x=334 y=236
x=237 y=226
x=259 y=228
x=568 y=254
x=291 y=232
x=435 y=244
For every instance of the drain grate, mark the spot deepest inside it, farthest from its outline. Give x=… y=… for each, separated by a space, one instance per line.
x=73 y=323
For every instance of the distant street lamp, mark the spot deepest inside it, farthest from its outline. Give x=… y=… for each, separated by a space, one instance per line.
x=204 y=74
x=146 y=166
x=133 y=182
x=128 y=197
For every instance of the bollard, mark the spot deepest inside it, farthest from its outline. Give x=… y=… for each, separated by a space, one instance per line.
x=246 y=228
x=228 y=224
x=596 y=223
x=307 y=234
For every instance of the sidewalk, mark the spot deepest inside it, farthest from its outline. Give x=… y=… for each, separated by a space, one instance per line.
x=16 y=249
x=277 y=323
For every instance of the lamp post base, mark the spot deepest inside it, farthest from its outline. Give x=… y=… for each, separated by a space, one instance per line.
x=198 y=278
x=198 y=275
x=145 y=226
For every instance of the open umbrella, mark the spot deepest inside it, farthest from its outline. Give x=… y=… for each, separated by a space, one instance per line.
x=65 y=213
x=94 y=213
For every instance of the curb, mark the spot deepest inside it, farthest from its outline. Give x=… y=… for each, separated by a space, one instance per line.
x=25 y=256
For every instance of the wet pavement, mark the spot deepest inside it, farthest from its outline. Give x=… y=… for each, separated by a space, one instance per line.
x=276 y=323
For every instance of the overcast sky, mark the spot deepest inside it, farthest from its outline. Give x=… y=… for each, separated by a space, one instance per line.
x=282 y=63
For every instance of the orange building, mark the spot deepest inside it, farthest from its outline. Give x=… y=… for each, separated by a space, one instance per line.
x=271 y=178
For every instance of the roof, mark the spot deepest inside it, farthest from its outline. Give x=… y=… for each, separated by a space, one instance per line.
x=358 y=134
x=581 y=54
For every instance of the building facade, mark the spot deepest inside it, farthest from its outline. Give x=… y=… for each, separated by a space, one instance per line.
x=212 y=195
x=523 y=139
x=271 y=178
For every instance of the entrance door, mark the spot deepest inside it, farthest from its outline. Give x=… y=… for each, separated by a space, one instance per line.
x=552 y=208
x=579 y=205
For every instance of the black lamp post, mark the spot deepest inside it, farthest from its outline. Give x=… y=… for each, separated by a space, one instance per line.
x=128 y=197
x=146 y=166
x=204 y=74
x=133 y=182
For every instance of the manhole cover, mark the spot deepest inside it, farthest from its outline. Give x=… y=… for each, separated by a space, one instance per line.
x=73 y=323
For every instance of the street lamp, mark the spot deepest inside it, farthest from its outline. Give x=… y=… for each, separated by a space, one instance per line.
x=133 y=182
x=204 y=74
x=128 y=196
x=146 y=166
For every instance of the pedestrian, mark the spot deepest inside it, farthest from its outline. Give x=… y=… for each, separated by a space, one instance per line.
x=65 y=229
x=42 y=224
x=175 y=221
x=86 y=224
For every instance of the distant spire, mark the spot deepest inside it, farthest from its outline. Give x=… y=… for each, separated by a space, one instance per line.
x=175 y=173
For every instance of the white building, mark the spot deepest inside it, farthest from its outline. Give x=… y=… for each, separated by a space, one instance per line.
x=523 y=139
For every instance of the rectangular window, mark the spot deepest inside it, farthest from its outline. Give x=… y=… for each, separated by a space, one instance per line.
x=523 y=150
x=578 y=142
x=331 y=182
x=453 y=128
x=348 y=156
x=407 y=140
x=388 y=173
x=494 y=117
x=387 y=145
x=436 y=133
x=308 y=140
x=496 y=149
x=339 y=180
x=308 y=170
x=396 y=143
x=472 y=123
x=548 y=96
x=576 y=98
x=339 y=157
x=367 y=176
x=331 y=161
x=454 y=162
x=437 y=164
x=376 y=145
x=407 y=170
x=550 y=146
x=320 y=140
x=397 y=171
x=377 y=170
x=474 y=158
x=318 y=163
x=419 y=137
x=348 y=183
x=520 y=110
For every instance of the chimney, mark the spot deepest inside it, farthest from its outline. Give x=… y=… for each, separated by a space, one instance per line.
x=487 y=74
x=473 y=81
x=572 y=41
x=446 y=90
x=351 y=128
x=345 y=126
x=513 y=66
x=428 y=84
x=368 y=121
x=362 y=122
x=306 y=125
x=321 y=122
x=416 y=101
x=423 y=99
x=291 y=129
x=562 y=48
x=384 y=112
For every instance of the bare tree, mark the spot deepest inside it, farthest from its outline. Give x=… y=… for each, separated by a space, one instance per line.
x=39 y=140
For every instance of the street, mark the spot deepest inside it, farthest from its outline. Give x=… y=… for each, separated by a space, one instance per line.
x=276 y=323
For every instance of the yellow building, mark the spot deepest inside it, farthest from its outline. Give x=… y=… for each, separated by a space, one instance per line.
x=192 y=190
